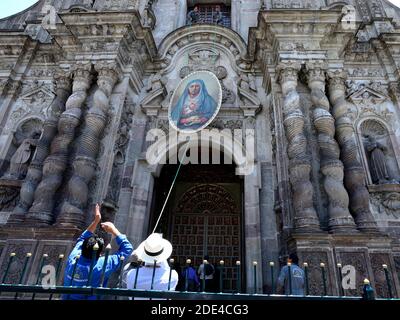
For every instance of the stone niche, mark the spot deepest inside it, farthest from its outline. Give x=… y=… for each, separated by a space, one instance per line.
x=379 y=153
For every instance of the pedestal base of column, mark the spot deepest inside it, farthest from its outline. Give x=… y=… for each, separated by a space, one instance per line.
x=39 y=218
x=306 y=225
x=368 y=227
x=16 y=218
x=342 y=225
x=70 y=220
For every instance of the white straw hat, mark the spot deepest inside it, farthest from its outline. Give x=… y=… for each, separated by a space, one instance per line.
x=154 y=248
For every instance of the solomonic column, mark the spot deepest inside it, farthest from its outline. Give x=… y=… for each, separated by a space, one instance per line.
x=55 y=164
x=84 y=165
x=34 y=175
x=305 y=219
x=340 y=219
x=354 y=176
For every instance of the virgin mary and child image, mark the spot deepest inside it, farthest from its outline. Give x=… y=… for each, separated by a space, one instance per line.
x=195 y=107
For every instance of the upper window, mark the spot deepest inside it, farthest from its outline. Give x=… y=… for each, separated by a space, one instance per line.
x=210 y=13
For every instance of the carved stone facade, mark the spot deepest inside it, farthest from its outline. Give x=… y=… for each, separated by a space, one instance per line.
x=78 y=98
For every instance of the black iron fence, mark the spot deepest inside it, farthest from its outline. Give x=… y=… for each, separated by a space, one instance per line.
x=49 y=290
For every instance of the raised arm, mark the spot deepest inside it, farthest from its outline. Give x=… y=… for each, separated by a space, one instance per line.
x=97 y=218
x=86 y=234
x=125 y=247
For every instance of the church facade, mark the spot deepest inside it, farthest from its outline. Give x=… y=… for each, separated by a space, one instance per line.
x=314 y=82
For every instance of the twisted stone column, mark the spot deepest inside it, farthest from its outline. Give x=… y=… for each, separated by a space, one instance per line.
x=353 y=170
x=34 y=175
x=305 y=219
x=340 y=219
x=56 y=163
x=84 y=165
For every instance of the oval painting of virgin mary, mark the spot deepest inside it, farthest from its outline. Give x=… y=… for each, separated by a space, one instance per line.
x=195 y=102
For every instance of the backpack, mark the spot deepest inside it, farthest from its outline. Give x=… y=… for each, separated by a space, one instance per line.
x=208 y=269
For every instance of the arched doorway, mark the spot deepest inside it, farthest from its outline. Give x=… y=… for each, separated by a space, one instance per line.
x=203 y=216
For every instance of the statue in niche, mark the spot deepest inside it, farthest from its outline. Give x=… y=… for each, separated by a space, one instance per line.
x=377 y=161
x=19 y=162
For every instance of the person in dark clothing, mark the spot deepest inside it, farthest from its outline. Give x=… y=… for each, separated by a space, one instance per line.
x=193 y=283
x=193 y=16
x=206 y=271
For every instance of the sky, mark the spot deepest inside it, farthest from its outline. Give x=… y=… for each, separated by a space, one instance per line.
x=9 y=7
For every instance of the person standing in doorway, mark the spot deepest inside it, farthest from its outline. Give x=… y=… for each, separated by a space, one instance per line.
x=206 y=271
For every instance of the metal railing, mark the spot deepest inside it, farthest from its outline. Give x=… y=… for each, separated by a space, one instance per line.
x=118 y=292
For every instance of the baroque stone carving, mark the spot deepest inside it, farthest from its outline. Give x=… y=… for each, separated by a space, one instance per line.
x=377 y=161
x=84 y=164
x=331 y=167
x=34 y=174
x=300 y=168
x=56 y=162
x=387 y=203
x=9 y=193
x=20 y=160
x=353 y=171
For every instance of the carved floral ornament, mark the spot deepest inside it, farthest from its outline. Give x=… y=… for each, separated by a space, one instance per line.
x=371 y=99
x=34 y=102
x=213 y=36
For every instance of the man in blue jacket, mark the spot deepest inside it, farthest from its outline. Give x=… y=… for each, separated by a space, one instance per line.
x=82 y=255
x=294 y=285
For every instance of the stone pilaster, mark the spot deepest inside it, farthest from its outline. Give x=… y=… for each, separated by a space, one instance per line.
x=34 y=175
x=354 y=176
x=84 y=164
x=56 y=163
x=340 y=219
x=305 y=219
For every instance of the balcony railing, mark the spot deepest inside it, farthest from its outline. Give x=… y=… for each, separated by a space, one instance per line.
x=50 y=292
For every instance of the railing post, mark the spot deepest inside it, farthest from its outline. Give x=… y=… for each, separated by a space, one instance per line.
x=239 y=281
x=305 y=264
x=289 y=265
x=385 y=268
x=221 y=276
x=73 y=272
x=120 y=275
x=272 y=264
x=45 y=256
x=60 y=259
x=103 y=271
x=10 y=260
x=188 y=262
x=368 y=291
x=204 y=275
x=324 y=278
x=255 y=276
x=339 y=265
x=171 y=263
x=153 y=275
x=28 y=256
x=94 y=258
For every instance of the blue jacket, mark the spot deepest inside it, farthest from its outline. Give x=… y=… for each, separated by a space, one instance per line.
x=297 y=279
x=82 y=269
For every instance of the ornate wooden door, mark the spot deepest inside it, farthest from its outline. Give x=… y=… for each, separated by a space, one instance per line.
x=206 y=221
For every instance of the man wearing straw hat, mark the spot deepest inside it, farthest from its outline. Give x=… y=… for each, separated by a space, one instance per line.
x=156 y=274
